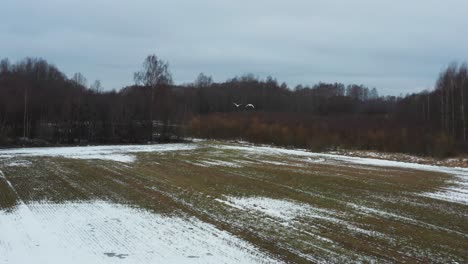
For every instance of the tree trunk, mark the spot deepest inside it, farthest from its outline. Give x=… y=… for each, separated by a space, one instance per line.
x=463 y=130
x=447 y=111
x=428 y=107
x=25 y=112
x=151 y=113
x=442 y=109
x=453 y=110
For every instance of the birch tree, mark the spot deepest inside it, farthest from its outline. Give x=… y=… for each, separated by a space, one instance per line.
x=463 y=76
x=154 y=74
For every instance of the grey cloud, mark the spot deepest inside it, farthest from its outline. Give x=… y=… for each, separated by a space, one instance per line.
x=397 y=46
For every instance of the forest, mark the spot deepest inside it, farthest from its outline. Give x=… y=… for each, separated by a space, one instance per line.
x=41 y=106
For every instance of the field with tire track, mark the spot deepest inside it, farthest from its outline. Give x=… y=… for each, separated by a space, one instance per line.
x=219 y=202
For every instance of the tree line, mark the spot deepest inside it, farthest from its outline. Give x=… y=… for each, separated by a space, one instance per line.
x=40 y=105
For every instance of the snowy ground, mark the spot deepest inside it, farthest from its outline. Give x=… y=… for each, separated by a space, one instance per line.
x=457 y=193
x=112 y=153
x=215 y=202
x=100 y=232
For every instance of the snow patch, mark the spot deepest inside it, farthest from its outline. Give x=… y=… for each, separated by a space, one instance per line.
x=289 y=211
x=282 y=209
x=100 y=232
x=320 y=157
x=112 y=153
x=215 y=163
x=277 y=163
x=458 y=193
x=229 y=204
x=220 y=163
x=19 y=163
x=455 y=194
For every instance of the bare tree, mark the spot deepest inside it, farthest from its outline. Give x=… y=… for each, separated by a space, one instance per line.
x=4 y=65
x=428 y=106
x=79 y=79
x=25 y=113
x=452 y=89
x=463 y=73
x=96 y=86
x=373 y=94
x=154 y=74
x=203 y=80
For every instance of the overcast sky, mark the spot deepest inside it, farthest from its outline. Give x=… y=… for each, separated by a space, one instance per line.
x=398 y=46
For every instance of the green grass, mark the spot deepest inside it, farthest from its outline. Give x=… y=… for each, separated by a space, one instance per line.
x=406 y=227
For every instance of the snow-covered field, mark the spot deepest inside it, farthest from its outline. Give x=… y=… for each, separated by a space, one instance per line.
x=457 y=193
x=214 y=202
x=112 y=153
x=100 y=232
